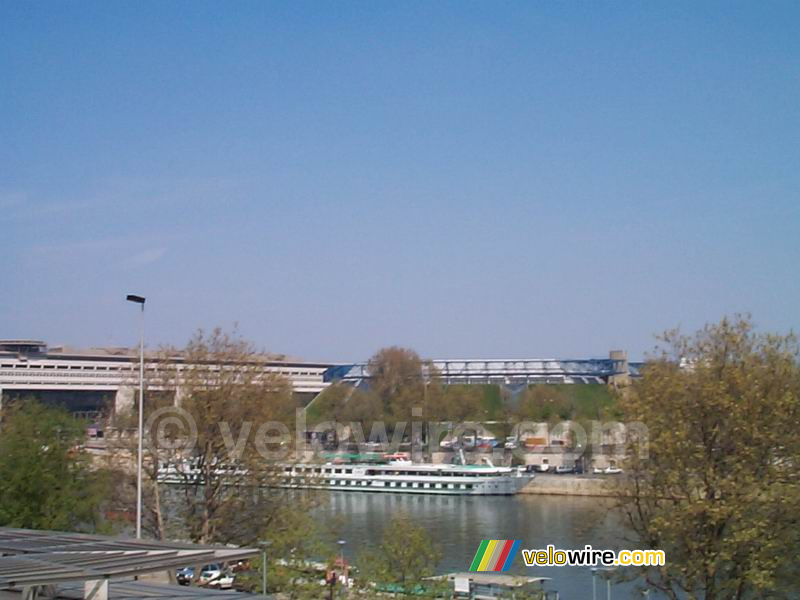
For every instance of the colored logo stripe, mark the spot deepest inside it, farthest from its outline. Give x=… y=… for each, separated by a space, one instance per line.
x=476 y=562
x=487 y=556
x=501 y=561
x=495 y=555
x=511 y=554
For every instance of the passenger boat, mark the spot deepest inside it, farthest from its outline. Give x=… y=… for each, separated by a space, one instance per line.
x=393 y=474
x=406 y=476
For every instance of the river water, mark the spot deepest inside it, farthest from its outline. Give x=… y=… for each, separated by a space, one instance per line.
x=459 y=523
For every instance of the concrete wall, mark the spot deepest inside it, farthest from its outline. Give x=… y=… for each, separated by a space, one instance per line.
x=570 y=485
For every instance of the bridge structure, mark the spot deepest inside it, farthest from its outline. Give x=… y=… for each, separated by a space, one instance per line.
x=104 y=380
x=509 y=372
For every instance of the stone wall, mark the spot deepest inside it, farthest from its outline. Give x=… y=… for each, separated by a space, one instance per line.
x=570 y=485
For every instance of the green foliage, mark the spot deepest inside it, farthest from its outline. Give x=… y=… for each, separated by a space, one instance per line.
x=554 y=402
x=46 y=480
x=405 y=556
x=718 y=490
x=296 y=539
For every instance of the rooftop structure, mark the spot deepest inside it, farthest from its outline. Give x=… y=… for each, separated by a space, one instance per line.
x=72 y=565
x=487 y=586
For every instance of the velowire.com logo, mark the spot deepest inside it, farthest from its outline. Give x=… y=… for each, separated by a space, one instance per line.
x=495 y=555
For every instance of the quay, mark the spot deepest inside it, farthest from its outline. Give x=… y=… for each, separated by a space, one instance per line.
x=570 y=485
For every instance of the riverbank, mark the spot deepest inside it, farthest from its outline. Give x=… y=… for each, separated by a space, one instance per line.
x=569 y=485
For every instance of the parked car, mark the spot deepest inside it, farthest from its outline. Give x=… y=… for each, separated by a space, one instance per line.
x=511 y=443
x=611 y=470
x=216 y=576
x=185 y=575
x=563 y=469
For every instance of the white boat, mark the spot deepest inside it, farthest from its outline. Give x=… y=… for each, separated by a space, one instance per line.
x=408 y=477
x=401 y=476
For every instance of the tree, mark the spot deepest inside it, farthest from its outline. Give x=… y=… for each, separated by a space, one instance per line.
x=46 y=479
x=718 y=491
x=397 y=380
x=221 y=394
x=405 y=556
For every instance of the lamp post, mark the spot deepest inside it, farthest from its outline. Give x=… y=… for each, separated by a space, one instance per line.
x=607 y=575
x=264 y=545
x=341 y=561
x=140 y=301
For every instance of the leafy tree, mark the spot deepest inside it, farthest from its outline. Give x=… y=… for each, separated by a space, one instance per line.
x=397 y=381
x=225 y=496
x=295 y=538
x=405 y=556
x=718 y=491
x=456 y=403
x=46 y=479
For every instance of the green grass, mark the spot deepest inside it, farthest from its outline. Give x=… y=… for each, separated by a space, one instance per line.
x=492 y=402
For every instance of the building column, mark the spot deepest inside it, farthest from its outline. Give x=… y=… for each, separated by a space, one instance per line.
x=124 y=399
x=95 y=589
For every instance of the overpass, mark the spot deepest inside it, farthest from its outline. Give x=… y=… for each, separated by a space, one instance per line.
x=104 y=380
x=509 y=372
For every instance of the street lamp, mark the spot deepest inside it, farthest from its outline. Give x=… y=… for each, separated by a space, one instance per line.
x=139 y=300
x=341 y=560
x=607 y=575
x=264 y=545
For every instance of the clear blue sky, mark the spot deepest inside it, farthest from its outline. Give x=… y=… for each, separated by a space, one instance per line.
x=500 y=179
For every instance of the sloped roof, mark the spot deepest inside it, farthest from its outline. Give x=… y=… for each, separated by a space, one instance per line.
x=32 y=558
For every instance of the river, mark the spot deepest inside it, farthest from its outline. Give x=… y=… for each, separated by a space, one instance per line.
x=459 y=523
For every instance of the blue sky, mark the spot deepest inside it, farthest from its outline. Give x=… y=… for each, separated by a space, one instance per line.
x=499 y=179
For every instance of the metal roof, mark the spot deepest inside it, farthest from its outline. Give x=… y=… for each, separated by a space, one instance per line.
x=35 y=558
x=498 y=579
x=135 y=590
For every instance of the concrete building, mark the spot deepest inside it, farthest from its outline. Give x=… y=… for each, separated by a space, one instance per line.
x=100 y=381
